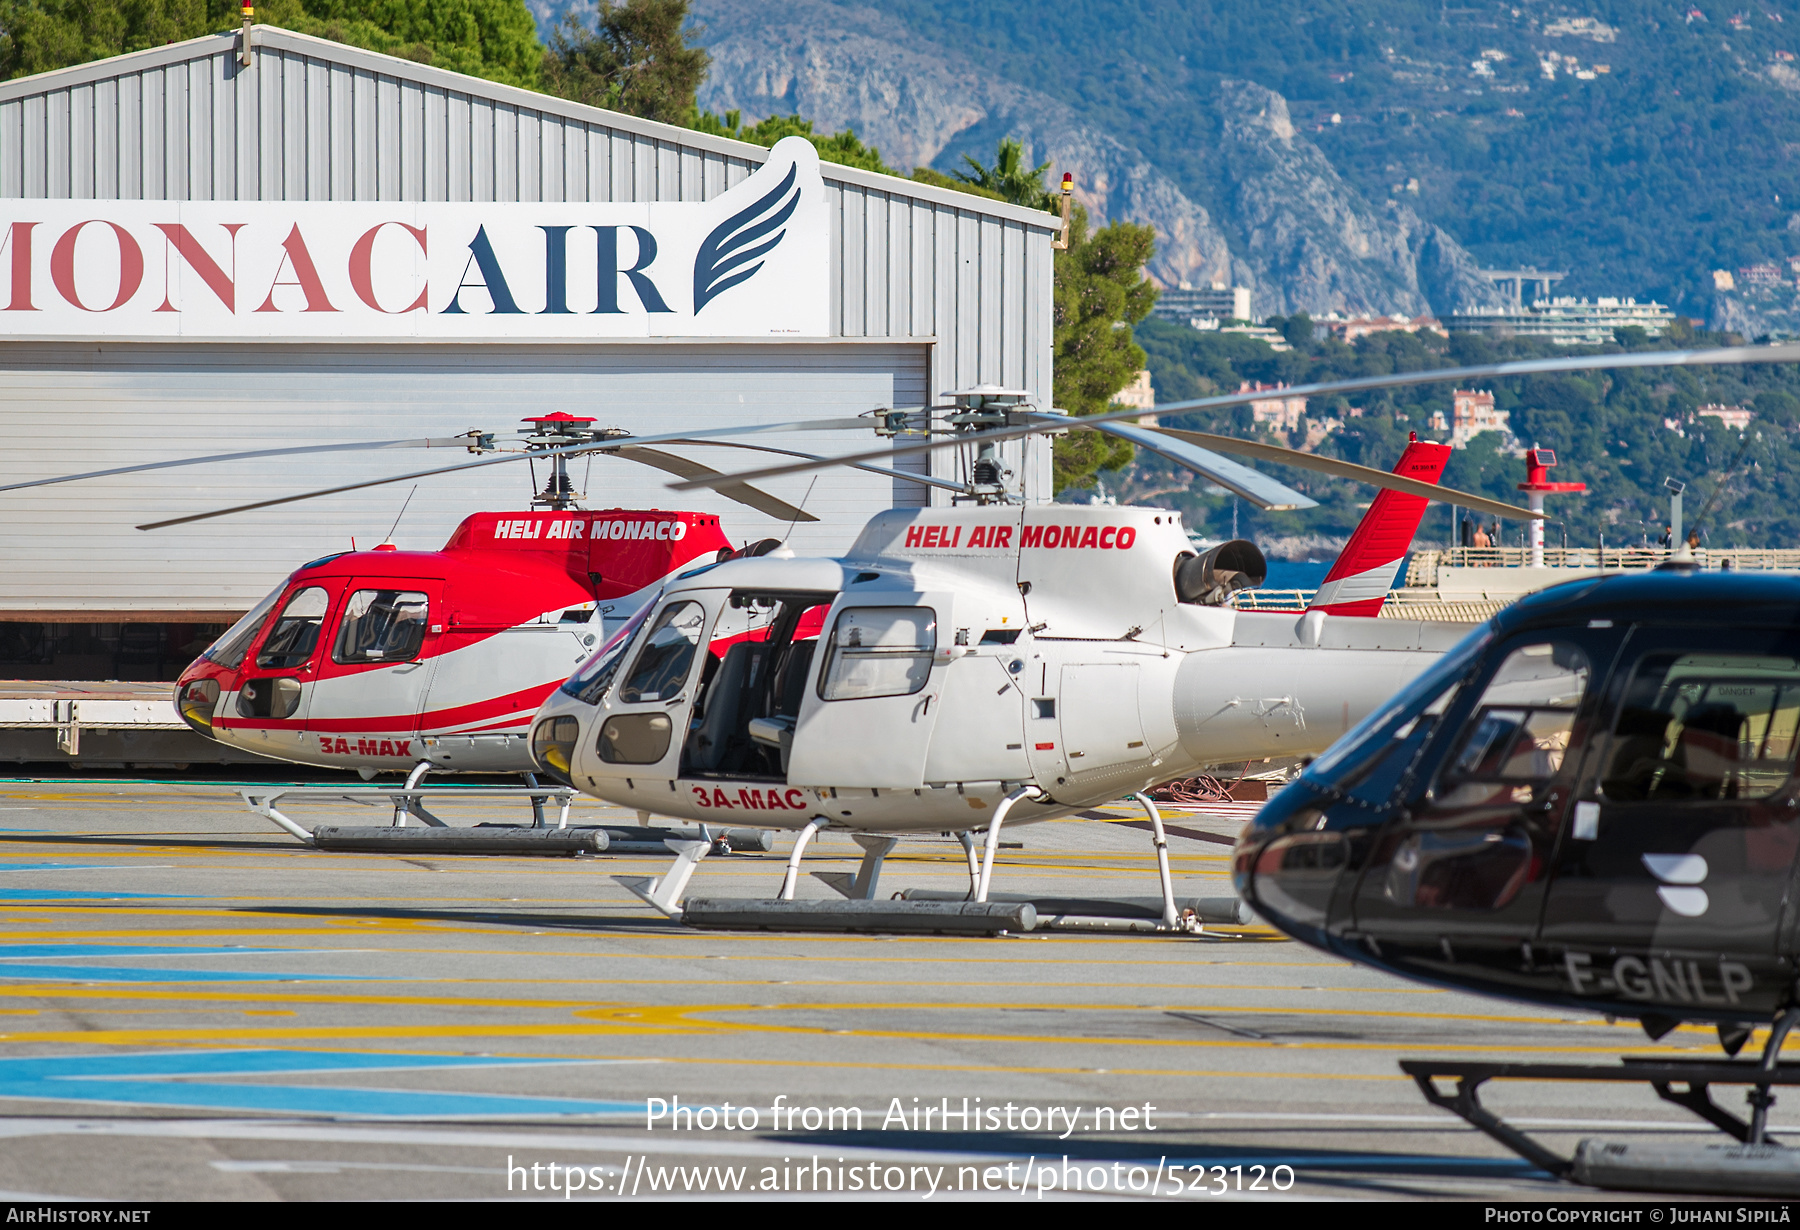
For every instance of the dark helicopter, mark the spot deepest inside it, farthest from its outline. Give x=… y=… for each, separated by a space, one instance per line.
x=1591 y=802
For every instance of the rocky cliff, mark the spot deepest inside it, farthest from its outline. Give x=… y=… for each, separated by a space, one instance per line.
x=1285 y=222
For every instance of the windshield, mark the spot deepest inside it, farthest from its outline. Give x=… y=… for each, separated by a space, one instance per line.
x=1373 y=732
x=590 y=681
x=229 y=650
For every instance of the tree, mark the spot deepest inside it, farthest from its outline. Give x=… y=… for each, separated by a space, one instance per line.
x=937 y=179
x=1009 y=178
x=496 y=39
x=840 y=147
x=635 y=59
x=1101 y=292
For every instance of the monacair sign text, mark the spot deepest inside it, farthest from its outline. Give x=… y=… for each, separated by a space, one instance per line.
x=752 y=261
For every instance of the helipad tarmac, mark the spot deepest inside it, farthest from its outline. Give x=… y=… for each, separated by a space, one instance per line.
x=195 y=1006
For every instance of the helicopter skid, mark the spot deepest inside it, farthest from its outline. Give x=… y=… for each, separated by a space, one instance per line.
x=916 y=909
x=900 y=915
x=407 y=801
x=1135 y=914
x=1754 y=1166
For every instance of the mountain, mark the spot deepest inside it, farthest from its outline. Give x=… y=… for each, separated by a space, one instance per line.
x=1636 y=144
x=1283 y=222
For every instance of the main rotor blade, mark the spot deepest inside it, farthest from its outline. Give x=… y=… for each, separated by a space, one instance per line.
x=1258 y=488
x=374 y=482
x=448 y=442
x=1350 y=470
x=923 y=479
x=743 y=493
x=1787 y=352
x=566 y=450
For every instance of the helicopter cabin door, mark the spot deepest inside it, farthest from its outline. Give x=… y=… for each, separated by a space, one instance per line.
x=1674 y=874
x=867 y=721
x=376 y=672
x=1487 y=773
x=646 y=717
x=276 y=686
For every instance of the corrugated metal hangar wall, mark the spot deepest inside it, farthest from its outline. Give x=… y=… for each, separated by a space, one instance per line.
x=929 y=291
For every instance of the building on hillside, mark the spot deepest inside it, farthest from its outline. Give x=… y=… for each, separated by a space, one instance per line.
x=1262 y=333
x=1766 y=273
x=1281 y=413
x=1473 y=413
x=1351 y=328
x=1567 y=322
x=1138 y=395
x=1203 y=307
x=1735 y=417
x=276 y=207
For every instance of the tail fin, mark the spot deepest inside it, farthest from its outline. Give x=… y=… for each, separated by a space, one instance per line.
x=1359 y=581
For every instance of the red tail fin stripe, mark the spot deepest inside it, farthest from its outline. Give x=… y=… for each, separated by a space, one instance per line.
x=1364 y=572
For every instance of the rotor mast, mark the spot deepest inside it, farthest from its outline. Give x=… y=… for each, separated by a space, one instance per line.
x=971 y=412
x=556 y=431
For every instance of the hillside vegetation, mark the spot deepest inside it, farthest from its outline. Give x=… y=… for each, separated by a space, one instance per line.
x=1608 y=430
x=1679 y=159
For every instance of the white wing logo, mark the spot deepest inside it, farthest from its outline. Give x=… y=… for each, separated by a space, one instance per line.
x=1681 y=875
x=742 y=238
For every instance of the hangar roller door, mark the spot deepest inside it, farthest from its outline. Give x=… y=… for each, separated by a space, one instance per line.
x=71 y=407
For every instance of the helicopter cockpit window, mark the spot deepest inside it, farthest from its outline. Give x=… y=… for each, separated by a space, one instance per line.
x=879 y=651
x=1704 y=726
x=291 y=641
x=589 y=683
x=381 y=625
x=663 y=663
x=1374 y=780
x=1519 y=730
x=229 y=650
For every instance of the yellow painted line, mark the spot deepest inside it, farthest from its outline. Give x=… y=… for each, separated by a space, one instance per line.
x=1027 y=1006
x=667 y=1020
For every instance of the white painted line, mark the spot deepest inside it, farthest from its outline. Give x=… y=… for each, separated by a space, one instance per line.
x=317 y=1167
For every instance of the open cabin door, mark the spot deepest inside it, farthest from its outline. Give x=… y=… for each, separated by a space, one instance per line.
x=867 y=721
x=647 y=713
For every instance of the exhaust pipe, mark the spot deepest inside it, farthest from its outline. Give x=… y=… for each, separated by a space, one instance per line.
x=1207 y=580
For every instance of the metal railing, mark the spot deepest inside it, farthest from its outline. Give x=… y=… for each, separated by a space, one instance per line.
x=1422 y=571
x=1400 y=604
x=1294 y=600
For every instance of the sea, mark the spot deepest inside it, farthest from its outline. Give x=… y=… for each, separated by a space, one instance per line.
x=1296 y=574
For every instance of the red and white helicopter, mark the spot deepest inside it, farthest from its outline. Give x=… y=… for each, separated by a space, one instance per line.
x=385 y=660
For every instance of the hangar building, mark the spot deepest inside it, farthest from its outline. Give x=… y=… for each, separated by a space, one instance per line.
x=199 y=255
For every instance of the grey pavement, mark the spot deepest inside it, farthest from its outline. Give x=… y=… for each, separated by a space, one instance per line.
x=194 y=1005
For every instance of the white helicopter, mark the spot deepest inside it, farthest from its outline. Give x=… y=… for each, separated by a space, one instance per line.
x=990 y=662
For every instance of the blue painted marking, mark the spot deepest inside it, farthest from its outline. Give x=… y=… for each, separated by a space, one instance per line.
x=134 y=1080
x=65 y=894
x=39 y=865
x=124 y=973
x=10 y=952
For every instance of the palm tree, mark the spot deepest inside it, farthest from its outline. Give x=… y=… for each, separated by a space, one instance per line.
x=1010 y=178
